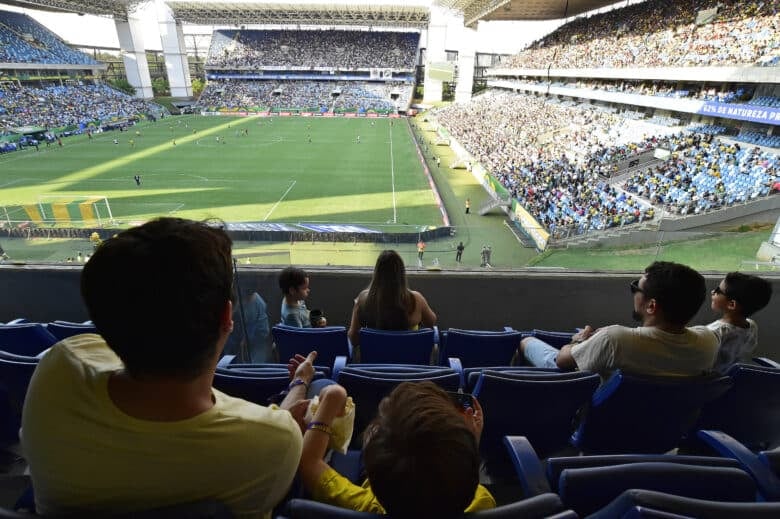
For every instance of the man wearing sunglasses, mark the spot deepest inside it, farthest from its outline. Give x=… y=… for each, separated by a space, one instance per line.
x=665 y=299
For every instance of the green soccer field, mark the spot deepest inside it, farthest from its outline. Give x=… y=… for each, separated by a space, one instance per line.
x=290 y=170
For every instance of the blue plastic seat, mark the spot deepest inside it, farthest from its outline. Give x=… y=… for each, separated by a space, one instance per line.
x=255 y=386
x=639 y=414
x=27 y=339
x=553 y=338
x=64 y=329
x=402 y=347
x=479 y=348
x=368 y=388
x=15 y=374
x=587 y=483
x=750 y=410
x=763 y=467
x=330 y=343
x=636 y=503
x=537 y=507
x=539 y=406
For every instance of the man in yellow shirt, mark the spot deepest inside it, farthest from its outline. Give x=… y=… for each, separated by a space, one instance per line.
x=127 y=420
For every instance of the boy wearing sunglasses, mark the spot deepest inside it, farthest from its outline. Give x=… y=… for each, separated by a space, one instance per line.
x=736 y=298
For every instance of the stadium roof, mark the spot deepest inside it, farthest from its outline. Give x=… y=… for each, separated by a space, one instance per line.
x=115 y=8
x=475 y=10
x=401 y=14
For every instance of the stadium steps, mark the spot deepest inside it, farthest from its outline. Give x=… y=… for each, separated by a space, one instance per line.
x=491 y=203
x=595 y=237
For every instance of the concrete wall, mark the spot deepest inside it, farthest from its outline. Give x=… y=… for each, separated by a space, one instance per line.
x=480 y=300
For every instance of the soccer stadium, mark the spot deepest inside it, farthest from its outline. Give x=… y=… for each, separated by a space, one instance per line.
x=603 y=175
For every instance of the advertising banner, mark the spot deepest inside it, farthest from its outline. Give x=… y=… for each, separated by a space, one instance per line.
x=531 y=226
x=756 y=114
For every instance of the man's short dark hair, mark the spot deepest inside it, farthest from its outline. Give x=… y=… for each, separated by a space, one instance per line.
x=291 y=277
x=678 y=289
x=156 y=294
x=421 y=459
x=751 y=292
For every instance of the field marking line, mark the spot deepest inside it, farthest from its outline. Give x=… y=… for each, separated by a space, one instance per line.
x=292 y=184
x=16 y=181
x=176 y=209
x=392 y=176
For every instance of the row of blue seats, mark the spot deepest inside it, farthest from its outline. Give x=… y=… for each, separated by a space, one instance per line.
x=472 y=347
x=729 y=482
x=542 y=404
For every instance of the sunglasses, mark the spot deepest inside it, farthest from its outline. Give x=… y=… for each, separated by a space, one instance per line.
x=460 y=399
x=718 y=290
x=634 y=286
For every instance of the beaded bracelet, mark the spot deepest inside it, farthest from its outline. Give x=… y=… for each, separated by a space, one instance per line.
x=320 y=426
x=298 y=382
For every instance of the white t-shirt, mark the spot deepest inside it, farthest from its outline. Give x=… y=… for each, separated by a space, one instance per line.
x=736 y=344
x=647 y=350
x=86 y=454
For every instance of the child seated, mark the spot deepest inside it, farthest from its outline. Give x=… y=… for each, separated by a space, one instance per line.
x=737 y=297
x=421 y=455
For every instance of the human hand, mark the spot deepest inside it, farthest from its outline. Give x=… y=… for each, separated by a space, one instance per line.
x=332 y=403
x=583 y=334
x=302 y=367
x=298 y=411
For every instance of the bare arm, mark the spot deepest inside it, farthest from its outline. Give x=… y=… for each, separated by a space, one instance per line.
x=427 y=316
x=354 y=324
x=564 y=360
x=315 y=441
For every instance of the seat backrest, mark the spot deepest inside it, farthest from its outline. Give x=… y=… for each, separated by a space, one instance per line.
x=25 y=339
x=367 y=390
x=63 y=329
x=471 y=375
x=556 y=466
x=15 y=378
x=403 y=347
x=540 y=407
x=479 y=348
x=253 y=389
x=750 y=410
x=586 y=490
x=329 y=342
x=537 y=507
x=667 y=504
x=639 y=414
x=554 y=339
x=251 y=370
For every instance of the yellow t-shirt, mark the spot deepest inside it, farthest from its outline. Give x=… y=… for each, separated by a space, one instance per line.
x=86 y=454
x=335 y=489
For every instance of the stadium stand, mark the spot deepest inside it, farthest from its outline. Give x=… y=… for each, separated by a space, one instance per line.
x=23 y=40
x=660 y=34
x=313 y=48
x=362 y=71
x=57 y=106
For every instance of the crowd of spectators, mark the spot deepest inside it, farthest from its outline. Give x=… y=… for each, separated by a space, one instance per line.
x=343 y=50
x=56 y=106
x=554 y=160
x=659 y=33
x=320 y=96
x=743 y=95
x=705 y=173
x=23 y=40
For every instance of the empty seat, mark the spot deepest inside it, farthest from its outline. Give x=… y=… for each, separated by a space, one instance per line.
x=27 y=339
x=541 y=407
x=330 y=343
x=479 y=348
x=64 y=329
